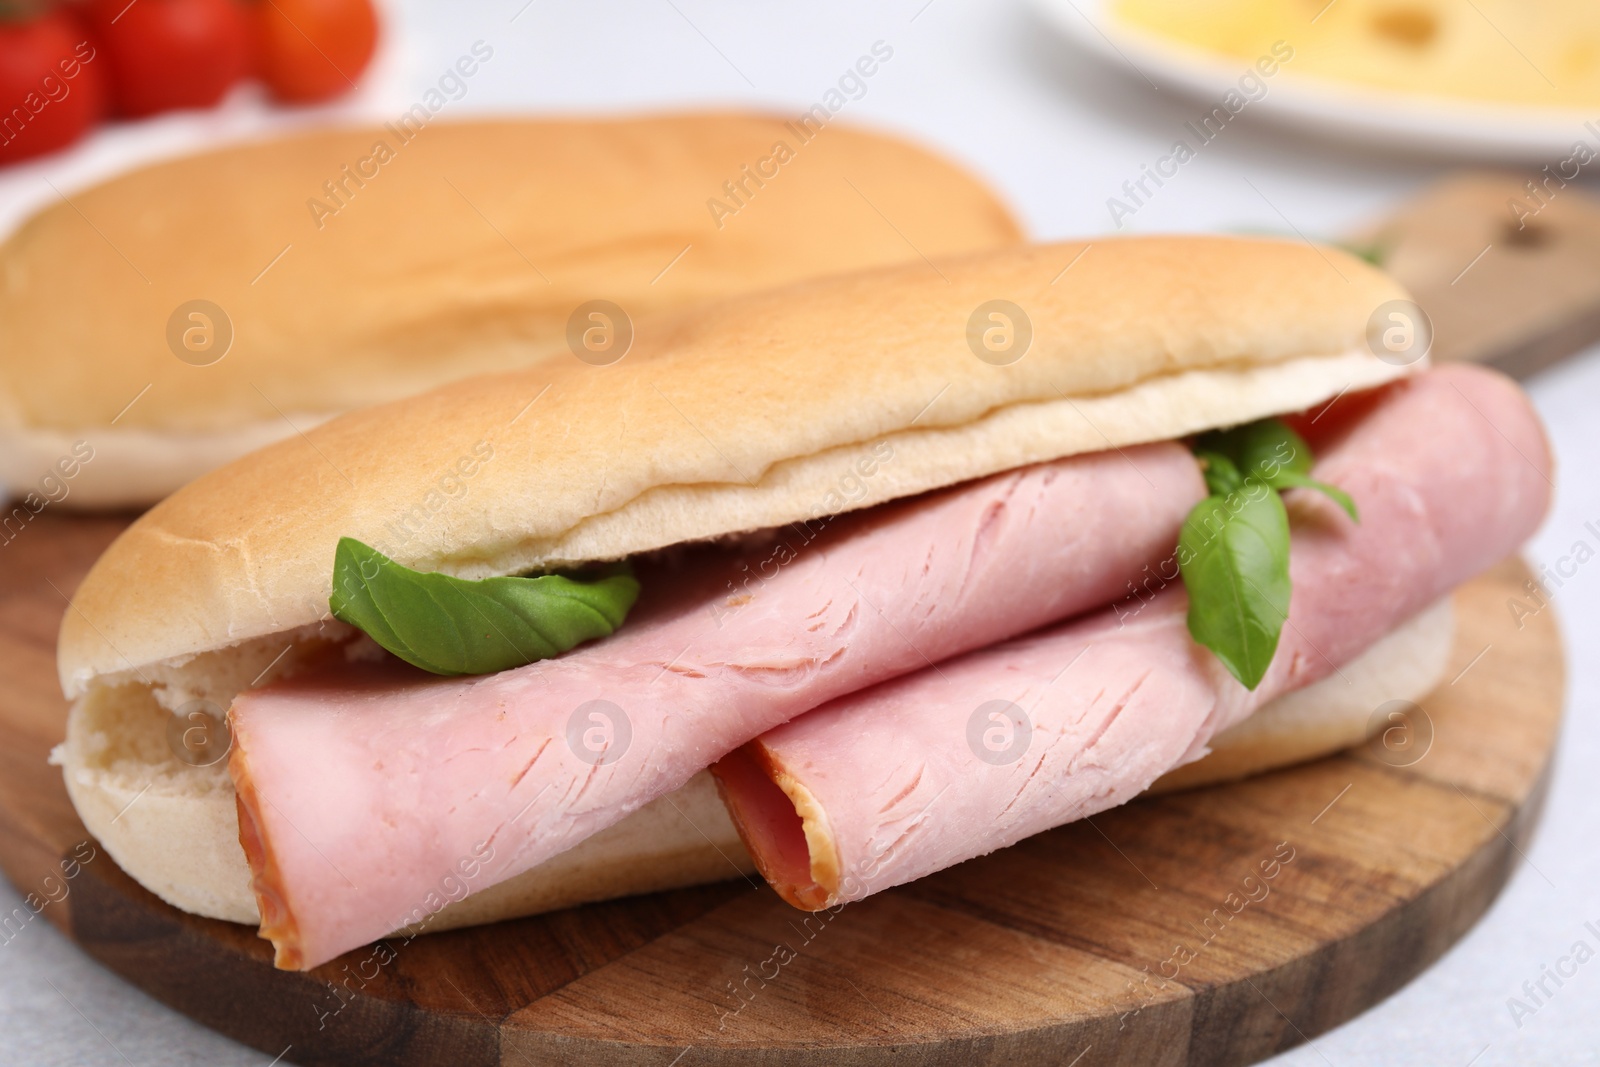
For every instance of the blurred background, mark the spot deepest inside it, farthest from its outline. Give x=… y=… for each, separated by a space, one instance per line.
x=1063 y=113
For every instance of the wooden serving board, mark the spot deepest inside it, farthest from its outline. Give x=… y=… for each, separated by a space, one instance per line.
x=1038 y=954
x=1509 y=275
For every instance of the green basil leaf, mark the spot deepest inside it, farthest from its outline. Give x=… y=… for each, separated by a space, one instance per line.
x=1221 y=475
x=1260 y=449
x=1375 y=252
x=1292 y=480
x=1233 y=554
x=450 y=625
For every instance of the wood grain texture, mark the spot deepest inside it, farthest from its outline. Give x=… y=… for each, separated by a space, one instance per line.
x=1037 y=954
x=1507 y=265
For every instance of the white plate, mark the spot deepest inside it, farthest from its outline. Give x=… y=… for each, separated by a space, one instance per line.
x=1352 y=112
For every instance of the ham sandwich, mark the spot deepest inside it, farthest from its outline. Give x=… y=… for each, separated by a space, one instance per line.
x=895 y=626
x=895 y=590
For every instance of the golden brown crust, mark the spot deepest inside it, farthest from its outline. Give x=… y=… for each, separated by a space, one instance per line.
x=747 y=414
x=799 y=857
x=822 y=849
x=465 y=253
x=277 y=919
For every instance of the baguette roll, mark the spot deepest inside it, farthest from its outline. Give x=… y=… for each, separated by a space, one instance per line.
x=346 y=267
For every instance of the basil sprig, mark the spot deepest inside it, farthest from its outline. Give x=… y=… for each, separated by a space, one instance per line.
x=450 y=625
x=1233 y=551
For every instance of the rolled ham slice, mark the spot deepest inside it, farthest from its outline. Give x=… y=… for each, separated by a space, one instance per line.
x=1451 y=472
x=369 y=793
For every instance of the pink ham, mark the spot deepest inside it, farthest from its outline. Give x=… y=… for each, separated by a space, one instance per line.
x=1451 y=473
x=368 y=790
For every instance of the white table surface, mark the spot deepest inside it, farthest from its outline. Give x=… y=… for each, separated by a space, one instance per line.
x=1057 y=135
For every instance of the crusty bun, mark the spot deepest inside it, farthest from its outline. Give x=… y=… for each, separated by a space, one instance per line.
x=745 y=415
x=465 y=252
x=173 y=826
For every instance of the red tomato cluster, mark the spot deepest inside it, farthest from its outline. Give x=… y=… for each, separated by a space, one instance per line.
x=64 y=64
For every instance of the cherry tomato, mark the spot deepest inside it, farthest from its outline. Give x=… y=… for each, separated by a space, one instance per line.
x=51 y=85
x=311 y=50
x=169 y=54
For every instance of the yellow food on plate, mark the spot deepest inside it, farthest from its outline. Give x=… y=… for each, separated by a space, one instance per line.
x=1531 y=52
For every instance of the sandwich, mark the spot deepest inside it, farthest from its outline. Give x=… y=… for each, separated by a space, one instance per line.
x=246 y=294
x=868 y=575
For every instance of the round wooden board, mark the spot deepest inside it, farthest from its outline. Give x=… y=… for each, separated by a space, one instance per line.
x=1049 y=952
